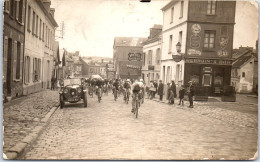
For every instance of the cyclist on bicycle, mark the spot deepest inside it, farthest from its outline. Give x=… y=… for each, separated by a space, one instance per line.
x=136 y=88
x=127 y=87
x=99 y=85
x=116 y=85
x=142 y=89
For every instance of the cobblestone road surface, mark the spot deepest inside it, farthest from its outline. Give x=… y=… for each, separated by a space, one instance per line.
x=108 y=130
x=21 y=115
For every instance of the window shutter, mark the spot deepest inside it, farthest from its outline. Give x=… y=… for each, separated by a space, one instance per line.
x=21 y=62
x=5 y=57
x=14 y=60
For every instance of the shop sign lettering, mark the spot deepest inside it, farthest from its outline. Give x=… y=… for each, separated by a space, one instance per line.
x=222 y=53
x=194 y=52
x=209 y=61
x=134 y=56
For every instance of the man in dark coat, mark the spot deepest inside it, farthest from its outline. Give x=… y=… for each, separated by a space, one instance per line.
x=155 y=86
x=173 y=89
x=160 y=90
x=190 y=91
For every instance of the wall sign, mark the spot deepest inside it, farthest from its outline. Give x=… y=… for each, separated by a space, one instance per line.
x=150 y=67
x=208 y=61
x=134 y=56
x=195 y=41
x=222 y=53
x=195 y=29
x=194 y=52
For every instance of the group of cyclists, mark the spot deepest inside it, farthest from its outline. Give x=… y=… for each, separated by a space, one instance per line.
x=127 y=87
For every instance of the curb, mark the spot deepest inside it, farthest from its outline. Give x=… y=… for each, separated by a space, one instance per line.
x=19 y=148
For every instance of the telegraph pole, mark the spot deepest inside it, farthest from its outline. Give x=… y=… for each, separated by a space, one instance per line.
x=62 y=31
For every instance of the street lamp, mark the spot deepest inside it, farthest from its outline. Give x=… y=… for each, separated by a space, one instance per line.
x=178 y=57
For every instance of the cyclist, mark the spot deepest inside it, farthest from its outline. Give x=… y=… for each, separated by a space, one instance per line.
x=127 y=87
x=136 y=88
x=99 y=84
x=142 y=89
x=116 y=85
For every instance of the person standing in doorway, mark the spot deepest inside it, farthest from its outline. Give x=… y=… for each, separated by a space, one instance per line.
x=160 y=90
x=190 y=92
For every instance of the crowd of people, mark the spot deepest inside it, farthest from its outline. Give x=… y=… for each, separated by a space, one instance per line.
x=140 y=88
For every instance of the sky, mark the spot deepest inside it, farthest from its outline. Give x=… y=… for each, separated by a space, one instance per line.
x=91 y=25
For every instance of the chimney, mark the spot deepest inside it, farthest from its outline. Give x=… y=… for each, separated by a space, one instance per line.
x=52 y=11
x=47 y=5
x=155 y=30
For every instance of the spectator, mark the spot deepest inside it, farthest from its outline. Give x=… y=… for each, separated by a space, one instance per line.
x=181 y=95
x=160 y=90
x=173 y=92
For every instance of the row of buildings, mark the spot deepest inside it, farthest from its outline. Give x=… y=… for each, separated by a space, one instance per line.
x=194 y=43
x=29 y=59
x=74 y=65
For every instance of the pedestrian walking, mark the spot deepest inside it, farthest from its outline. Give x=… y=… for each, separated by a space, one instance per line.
x=156 y=87
x=53 y=81
x=190 y=92
x=173 y=92
x=160 y=90
x=181 y=95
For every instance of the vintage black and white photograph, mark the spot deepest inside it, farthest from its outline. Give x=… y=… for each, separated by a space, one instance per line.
x=130 y=80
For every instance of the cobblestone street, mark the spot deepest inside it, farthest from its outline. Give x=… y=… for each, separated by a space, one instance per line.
x=22 y=115
x=108 y=130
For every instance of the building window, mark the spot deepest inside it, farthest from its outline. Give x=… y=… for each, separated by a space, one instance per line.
x=12 y=8
x=211 y=10
x=16 y=9
x=27 y=69
x=150 y=57
x=29 y=19
x=20 y=17
x=172 y=14
x=37 y=26
x=170 y=44
x=158 y=56
x=40 y=34
x=243 y=74
x=18 y=60
x=43 y=32
x=33 y=23
x=209 y=39
x=181 y=11
x=180 y=37
x=144 y=59
x=35 y=70
x=39 y=69
x=7 y=6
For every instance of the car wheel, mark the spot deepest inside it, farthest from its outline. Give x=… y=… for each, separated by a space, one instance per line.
x=61 y=101
x=85 y=100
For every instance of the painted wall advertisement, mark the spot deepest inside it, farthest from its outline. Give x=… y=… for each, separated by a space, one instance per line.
x=195 y=40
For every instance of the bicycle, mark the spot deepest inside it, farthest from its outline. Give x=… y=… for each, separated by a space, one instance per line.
x=90 y=91
x=127 y=93
x=99 y=94
x=115 y=93
x=136 y=103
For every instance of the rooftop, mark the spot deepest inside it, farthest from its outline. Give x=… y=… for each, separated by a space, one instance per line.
x=129 y=41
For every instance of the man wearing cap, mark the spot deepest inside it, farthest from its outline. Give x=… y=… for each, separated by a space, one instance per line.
x=160 y=90
x=127 y=87
x=190 y=91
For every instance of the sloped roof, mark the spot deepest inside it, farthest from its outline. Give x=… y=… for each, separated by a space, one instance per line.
x=243 y=59
x=154 y=39
x=129 y=41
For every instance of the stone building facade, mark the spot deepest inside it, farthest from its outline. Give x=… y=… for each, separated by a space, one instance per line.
x=13 y=48
x=39 y=50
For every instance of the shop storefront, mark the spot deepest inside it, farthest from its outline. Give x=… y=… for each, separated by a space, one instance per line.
x=210 y=74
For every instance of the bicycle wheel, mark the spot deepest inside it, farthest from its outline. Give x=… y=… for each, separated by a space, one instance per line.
x=136 y=108
x=115 y=94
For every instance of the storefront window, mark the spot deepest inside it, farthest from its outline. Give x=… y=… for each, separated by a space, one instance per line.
x=206 y=81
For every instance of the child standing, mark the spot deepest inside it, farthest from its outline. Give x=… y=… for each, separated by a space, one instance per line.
x=181 y=95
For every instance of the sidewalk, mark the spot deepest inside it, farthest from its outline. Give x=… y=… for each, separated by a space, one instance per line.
x=243 y=113
x=24 y=118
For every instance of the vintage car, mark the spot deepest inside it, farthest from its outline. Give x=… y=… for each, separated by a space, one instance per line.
x=73 y=91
